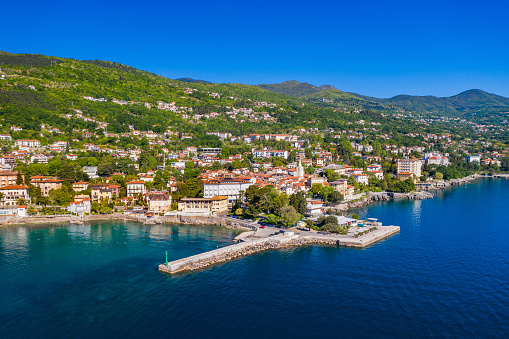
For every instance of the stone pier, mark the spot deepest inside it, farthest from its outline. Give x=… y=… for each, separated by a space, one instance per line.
x=251 y=246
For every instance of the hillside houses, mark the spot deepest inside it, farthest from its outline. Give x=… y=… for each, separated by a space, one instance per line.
x=305 y=157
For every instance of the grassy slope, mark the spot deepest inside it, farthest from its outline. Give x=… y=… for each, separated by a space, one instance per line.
x=292 y=88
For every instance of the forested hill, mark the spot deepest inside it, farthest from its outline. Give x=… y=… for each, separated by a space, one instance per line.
x=38 y=90
x=192 y=80
x=294 y=88
x=466 y=104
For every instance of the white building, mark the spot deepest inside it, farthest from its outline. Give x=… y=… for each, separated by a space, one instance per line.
x=61 y=144
x=270 y=154
x=436 y=159
x=135 y=187
x=339 y=169
x=345 y=221
x=314 y=208
x=208 y=150
x=472 y=158
x=228 y=187
x=11 y=194
x=20 y=211
x=91 y=171
x=41 y=158
x=374 y=168
x=411 y=166
x=27 y=143
x=80 y=207
x=361 y=178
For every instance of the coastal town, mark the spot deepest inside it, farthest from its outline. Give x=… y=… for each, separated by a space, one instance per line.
x=185 y=152
x=254 y=169
x=313 y=179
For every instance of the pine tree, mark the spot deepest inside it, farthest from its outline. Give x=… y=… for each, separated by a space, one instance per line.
x=19 y=179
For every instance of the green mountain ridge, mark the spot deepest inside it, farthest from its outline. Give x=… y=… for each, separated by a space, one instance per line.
x=193 y=80
x=340 y=99
x=294 y=88
x=470 y=102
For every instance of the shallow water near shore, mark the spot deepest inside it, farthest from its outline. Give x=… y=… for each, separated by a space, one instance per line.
x=445 y=274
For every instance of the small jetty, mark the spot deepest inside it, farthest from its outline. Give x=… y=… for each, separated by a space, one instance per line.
x=274 y=238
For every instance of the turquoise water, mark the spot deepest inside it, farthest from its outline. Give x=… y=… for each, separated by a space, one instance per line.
x=445 y=274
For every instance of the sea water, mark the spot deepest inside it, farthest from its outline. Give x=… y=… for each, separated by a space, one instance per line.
x=445 y=274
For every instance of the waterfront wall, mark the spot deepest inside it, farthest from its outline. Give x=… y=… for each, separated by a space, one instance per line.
x=245 y=248
x=210 y=220
x=188 y=220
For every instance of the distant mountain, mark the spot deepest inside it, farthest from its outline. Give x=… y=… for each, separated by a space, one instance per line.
x=476 y=98
x=470 y=103
x=366 y=97
x=340 y=99
x=325 y=95
x=419 y=103
x=473 y=101
x=193 y=80
x=294 y=88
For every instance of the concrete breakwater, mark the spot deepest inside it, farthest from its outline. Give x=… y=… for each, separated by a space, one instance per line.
x=257 y=245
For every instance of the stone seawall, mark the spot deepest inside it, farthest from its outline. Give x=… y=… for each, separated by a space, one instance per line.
x=188 y=220
x=216 y=256
x=209 y=220
x=245 y=248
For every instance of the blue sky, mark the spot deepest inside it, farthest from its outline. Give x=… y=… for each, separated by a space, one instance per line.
x=377 y=48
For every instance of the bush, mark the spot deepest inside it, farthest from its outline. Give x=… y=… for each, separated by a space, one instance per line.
x=106 y=210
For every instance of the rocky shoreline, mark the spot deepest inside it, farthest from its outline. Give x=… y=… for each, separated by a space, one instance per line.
x=372 y=197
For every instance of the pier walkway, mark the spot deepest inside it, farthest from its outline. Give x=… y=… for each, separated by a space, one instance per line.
x=271 y=238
